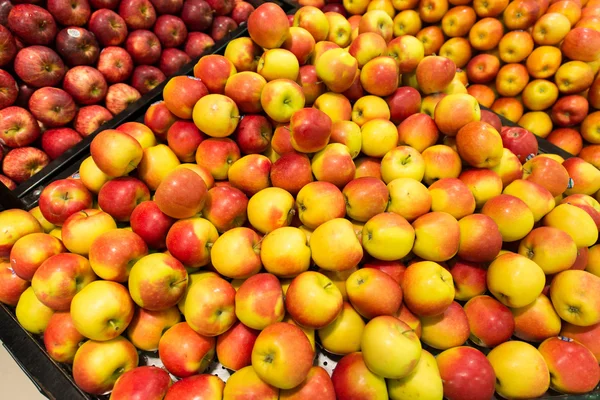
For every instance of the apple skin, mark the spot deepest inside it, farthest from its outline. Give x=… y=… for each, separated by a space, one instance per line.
x=490 y=321
x=520 y=141
x=234 y=347
x=95 y=364
x=403 y=103
x=586 y=335
x=77 y=46
x=113 y=253
x=225 y=208
x=480 y=238
x=22 y=163
x=85 y=84
x=138 y=14
x=170 y=30
x=151 y=224
x=253 y=134
x=537 y=321
x=115 y=63
x=120 y=96
x=39 y=66
x=190 y=241
x=184 y=138
x=9 y=47
x=32 y=314
x=120 y=196
x=11 y=285
x=146 y=77
x=214 y=70
x=103 y=152
x=466 y=370
x=61 y=339
x=351 y=378
x=547 y=172
x=424 y=296
x=197 y=15
x=185 y=352
x=146 y=382
x=147 y=327
x=585 y=314
x=109 y=27
x=143 y=46
x=209 y=306
x=222 y=27
x=30 y=251
x=32 y=24
x=248 y=303
x=268 y=26
x=244 y=383
x=52 y=106
x=310 y=130
x=245 y=89
x=76 y=13
x=434 y=74
x=18 y=127
x=56 y=208
x=197 y=44
x=581 y=44
x=10 y=89
x=208 y=387
x=173 y=60
x=317 y=385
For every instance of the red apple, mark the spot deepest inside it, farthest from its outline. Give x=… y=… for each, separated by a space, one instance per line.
x=197 y=43
x=32 y=24
x=184 y=138
x=520 y=141
x=18 y=127
x=39 y=66
x=217 y=155
x=167 y=6
x=138 y=14
x=147 y=382
x=466 y=374
x=52 y=106
x=203 y=386
x=85 y=84
x=403 y=103
x=120 y=196
x=110 y=4
x=225 y=207
x=115 y=63
x=197 y=15
x=70 y=13
x=62 y=198
x=5 y=7
x=159 y=119
x=569 y=110
x=8 y=47
x=221 y=7
x=170 y=30
x=253 y=134
x=120 y=96
x=292 y=171
x=222 y=26
x=234 y=347
x=268 y=26
x=151 y=224
x=172 y=60
x=109 y=27
x=90 y=118
x=492 y=119
x=143 y=46
x=185 y=352
x=22 y=163
x=57 y=141
x=490 y=321
x=146 y=77
x=77 y=46
x=241 y=11
x=25 y=92
x=61 y=339
x=11 y=285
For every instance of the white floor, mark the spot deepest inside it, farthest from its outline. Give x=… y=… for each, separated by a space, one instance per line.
x=14 y=383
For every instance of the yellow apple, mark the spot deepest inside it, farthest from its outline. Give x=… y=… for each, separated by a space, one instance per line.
x=515 y=280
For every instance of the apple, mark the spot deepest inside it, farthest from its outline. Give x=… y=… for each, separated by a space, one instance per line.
x=167 y=6
x=139 y=132
x=173 y=197
x=424 y=295
x=403 y=103
x=197 y=43
x=61 y=339
x=120 y=196
x=441 y=161
x=581 y=44
x=10 y=90
x=582 y=313
x=480 y=238
x=253 y=134
x=39 y=66
x=217 y=155
x=18 y=127
x=156 y=383
x=243 y=53
x=81 y=228
x=584 y=232
x=216 y=115
x=109 y=27
x=120 y=96
x=32 y=24
x=116 y=310
x=302 y=295
x=170 y=30
x=185 y=352
x=453 y=321
x=151 y=224
x=115 y=153
x=11 y=285
x=337 y=69
x=268 y=26
x=466 y=370
x=247 y=263
x=52 y=106
x=62 y=198
x=138 y=14
x=99 y=364
x=22 y=163
x=380 y=76
x=282 y=245
x=537 y=321
x=77 y=46
x=172 y=60
x=510 y=292
x=246 y=382
x=209 y=306
x=441 y=246
x=184 y=138
x=197 y=15
x=520 y=141
x=30 y=251
x=115 y=63
x=567 y=139
x=362 y=285
x=367 y=46
x=32 y=314
x=434 y=73
x=9 y=47
x=319 y=202
x=258 y=293
x=408 y=51
x=143 y=46
x=110 y=4
x=198 y=233
x=208 y=386
x=222 y=27
x=113 y=253
x=85 y=84
x=245 y=88
x=234 y=347
x=584 y=175
x=351 y=377
x=241 y=11
x=145 y=78
x=490 y=321
x=181 y=94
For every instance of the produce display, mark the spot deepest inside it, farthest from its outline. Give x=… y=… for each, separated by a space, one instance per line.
x=293 y=198
x=70 y=66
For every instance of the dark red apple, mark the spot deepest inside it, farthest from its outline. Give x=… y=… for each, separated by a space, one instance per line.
x=222 y=26
x=241 y=11
x=115 y=64
x=39 y=66
x=335 y=7
x=151 y=224
x=172 y=60
x=77 y=46
x=170 y=30
x=492 y=119
x=5 y=7
x=8 y=89
x=89 y=118
x=108 y=26
x=98 y=4
x=85 y=84
x=138 y=14
x=197 y=15
x=184 y=138
x=120 y=96
x=70 y=12
x=52 y=106
x=167 y=6
x=404 y=102
x=32 y=24
x=18 y=127
x=144 y=47
x=25 y=92
x=145 y=78
x=197 y=43
x=221 y=7
x=9 y=183
x=520 y=141
x=8 y=47
x=22 y=163
x=57 y=141
x=253 y=134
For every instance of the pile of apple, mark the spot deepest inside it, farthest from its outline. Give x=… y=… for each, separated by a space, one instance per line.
x=239 y=223
x=71 y=66
x=535 y=62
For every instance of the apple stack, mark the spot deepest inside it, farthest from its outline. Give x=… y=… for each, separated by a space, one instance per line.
x=535 y=62
x=70 y=67
x=290 y=199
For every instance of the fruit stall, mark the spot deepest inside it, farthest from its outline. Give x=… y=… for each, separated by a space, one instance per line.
x=357 y=199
